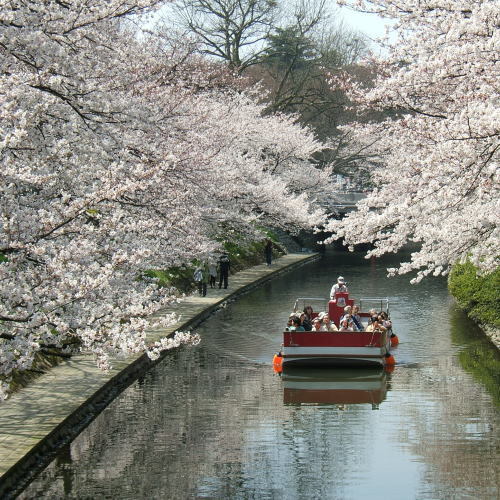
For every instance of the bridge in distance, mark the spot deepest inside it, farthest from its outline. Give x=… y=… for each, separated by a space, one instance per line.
x=345 y=202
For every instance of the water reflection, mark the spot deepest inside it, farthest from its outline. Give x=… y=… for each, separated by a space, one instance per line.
x=333 y=386
x=213 y=421
x=476 y=354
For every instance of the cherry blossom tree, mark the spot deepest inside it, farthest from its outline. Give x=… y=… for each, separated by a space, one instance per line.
x=122 y=153
x=438 y=188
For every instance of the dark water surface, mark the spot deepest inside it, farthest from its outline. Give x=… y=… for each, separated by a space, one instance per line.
x=215 y=422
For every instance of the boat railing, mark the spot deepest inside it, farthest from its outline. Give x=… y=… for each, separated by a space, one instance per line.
x=365 y=303
x=303 y=301
x=378 y=303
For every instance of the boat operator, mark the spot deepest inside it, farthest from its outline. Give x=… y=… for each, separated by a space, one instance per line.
x=339 y=287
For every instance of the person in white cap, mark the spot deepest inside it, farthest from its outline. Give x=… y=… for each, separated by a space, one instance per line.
x=339 y=287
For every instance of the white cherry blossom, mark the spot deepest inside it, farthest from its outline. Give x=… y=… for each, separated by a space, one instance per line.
x=439 y=186
x=122 y=153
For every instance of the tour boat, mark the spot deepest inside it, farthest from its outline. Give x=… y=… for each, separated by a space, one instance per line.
x=331 y=386
x=342 y=349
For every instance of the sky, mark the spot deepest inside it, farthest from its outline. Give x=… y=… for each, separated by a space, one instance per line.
x=370 y=24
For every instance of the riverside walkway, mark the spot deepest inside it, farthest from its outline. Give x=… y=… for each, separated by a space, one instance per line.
x=56 y=406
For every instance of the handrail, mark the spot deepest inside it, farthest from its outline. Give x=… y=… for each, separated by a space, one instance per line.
x=312 y=298
x=308 y=298
x=384 y=302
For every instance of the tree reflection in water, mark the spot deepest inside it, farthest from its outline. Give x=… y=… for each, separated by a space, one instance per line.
x=211 y=422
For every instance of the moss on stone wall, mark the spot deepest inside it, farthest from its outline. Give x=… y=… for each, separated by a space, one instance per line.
x=477 y=295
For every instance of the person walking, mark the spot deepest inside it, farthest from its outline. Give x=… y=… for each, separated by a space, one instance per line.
x=201 y=275
x=212 y=271
x=268 y=252
x=224 y=267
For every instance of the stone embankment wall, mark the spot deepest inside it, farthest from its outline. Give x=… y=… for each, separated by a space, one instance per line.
x=58 y=404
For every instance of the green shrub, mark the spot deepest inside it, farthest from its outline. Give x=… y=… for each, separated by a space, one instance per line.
x=177 y=277
x=241 y=254
x=247 y=255
x=477 y=295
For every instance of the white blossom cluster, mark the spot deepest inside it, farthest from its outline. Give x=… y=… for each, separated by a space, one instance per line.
x=439 y=187
x=154 y=351
x=122 y=153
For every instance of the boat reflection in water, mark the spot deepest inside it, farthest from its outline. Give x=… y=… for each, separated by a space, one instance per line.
x=333 y=386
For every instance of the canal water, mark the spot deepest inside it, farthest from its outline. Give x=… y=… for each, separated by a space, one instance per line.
x=214 y=421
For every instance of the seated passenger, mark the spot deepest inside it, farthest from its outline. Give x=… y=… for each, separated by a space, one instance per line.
x=384 y=319
x=296 y=325
x=347 y=312
x=327 y=325
x=305 y=322
x=356 y=319
x=373 y=314
x=345 y=326
x=316 y=325
x=339 y=287
x=375 y=326
x=351 y=324
x=308 y=311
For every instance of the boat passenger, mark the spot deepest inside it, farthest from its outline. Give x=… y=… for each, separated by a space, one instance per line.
x=305 y=322
x=347 y=312
x=339 y=287
x=345 y=326
x=296 y=325
x=384 y=319
x=327 y=325
x=375 y=326
x=352 y=325
x=316 y=325
x=356 y=318
x=308 y=311
x=373 y=315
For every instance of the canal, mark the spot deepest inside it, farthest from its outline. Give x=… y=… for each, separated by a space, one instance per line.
x=214 y=421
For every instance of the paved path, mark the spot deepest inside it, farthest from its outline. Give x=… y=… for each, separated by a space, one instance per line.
x=31 y=421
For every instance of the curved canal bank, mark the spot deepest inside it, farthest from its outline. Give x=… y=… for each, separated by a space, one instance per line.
x=59 y=404
x=215 y=421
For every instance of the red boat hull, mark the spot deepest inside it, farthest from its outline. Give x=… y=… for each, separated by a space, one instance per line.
x=367 y=349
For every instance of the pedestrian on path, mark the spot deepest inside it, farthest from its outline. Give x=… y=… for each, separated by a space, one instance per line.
x=224 y=267
x=201 y=276
x=212 y=271
x=268 y=252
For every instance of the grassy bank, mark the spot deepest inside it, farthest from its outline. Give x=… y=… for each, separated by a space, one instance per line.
x=241 y=254
x=477 y=295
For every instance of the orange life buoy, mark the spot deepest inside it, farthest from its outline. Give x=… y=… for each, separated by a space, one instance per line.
x=278 y=363
x=394 y=340
x=389 y=359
